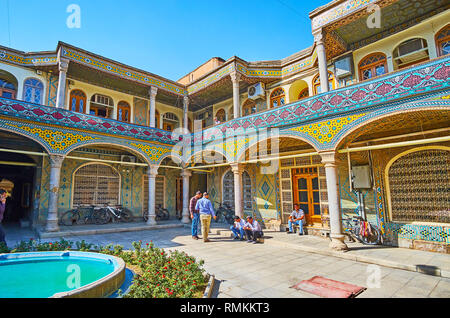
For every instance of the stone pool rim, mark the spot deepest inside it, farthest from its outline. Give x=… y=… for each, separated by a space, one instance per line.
x=100 y=288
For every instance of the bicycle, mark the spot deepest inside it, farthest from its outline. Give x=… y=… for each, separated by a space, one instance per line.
x=161 y=214
x=363 y=231
x=117 y=213
x=83 y=215
x=224 y=213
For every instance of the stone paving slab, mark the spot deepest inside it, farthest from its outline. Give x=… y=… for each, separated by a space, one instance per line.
x=245 y=270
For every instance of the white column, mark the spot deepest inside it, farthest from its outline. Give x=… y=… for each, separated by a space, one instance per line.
x=185 y=112
x=152 y=172
x=185 y=174
x=55 y=173
x=322 y=60
x=336 y=235
x=235 y=77
x=152 y=92
x=238 y=190
x=63 y=66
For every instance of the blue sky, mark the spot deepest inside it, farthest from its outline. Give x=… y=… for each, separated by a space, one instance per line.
x=166 y=37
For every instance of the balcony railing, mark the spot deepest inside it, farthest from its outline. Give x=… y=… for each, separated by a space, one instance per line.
x=65 y=118
x=429 y=77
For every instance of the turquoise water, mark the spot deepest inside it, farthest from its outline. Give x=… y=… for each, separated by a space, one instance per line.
x=42 y=277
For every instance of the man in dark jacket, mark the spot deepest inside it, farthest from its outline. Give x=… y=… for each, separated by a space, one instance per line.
x=2 y=212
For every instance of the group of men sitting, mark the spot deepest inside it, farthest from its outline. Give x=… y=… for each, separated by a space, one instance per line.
x=250 y=229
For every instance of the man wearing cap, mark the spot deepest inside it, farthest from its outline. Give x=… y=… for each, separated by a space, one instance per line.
x=194 y=214
x=252 y=230
x=204 y=206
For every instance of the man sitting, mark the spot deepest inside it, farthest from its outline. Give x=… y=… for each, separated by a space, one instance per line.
x=253 y=230
x=238 y=228
x=297 y=217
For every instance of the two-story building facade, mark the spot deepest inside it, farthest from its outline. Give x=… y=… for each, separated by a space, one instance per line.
x=357 y=123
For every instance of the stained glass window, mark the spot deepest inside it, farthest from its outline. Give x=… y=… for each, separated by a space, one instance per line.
x=316 y=83
x=443 y=41
x=372 y=65
x=77 y=101
x=32 y=91
x=277 y=98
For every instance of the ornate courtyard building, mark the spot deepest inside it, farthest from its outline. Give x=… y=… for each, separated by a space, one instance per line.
x=355 y=124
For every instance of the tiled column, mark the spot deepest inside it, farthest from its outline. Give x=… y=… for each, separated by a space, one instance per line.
x=238 y=187
x=235 y=77
x=185 y=174
x=152 y=92
x=55 y=173
x=63 y=66
x=322 y=60
x=336 y=235
x=152 y=172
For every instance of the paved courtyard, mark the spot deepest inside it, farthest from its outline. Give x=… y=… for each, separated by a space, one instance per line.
x=244 y=270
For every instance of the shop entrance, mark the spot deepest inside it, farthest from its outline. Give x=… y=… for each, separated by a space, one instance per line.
x=306 y=193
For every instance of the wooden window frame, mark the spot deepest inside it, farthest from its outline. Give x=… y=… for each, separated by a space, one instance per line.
x=277 y=98
x=372 y=66
x=440 y=41
x=124 y=106
x=78 y=101
x=316 y=82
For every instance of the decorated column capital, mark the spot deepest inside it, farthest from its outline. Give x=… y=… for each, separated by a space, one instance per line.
x=185 y=173
x=328 y=158
x=237 y=168
x=235 y=77
x=152 y=171
x=63 y=65
x=152 y=92
x=318 y=36
x=56 y=160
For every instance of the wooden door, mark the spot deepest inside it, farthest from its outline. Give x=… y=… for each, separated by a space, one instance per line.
x=306 y=193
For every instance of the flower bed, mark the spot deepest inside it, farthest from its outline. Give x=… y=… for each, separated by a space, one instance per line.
x=159 y=274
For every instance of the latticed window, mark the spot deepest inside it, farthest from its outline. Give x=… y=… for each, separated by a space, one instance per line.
x=443 y=41
x=96 y=184
x=419 y=186
x=372 y=65
x=123 y=111
x=7 y=89
x=277 y=98
x=33 y=90
x=303 y=94
x=228 y=190
x=249 y=107
x=101 y=105
x=316 y=83
x=77 y=101
x=221 y=116
x=159 y=192
x=170 y=121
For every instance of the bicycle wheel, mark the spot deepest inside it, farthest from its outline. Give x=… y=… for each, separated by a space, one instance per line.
x=372 y=238
x=124 y=215
x=102 y=216
x=70 y=217
x=165 y=213
x=145 y=216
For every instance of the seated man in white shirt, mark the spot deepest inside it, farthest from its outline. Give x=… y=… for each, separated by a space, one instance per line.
x=297 y=217
x=253 y=230
x=238 y=228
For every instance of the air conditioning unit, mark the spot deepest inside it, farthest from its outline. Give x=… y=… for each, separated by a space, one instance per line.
x=126 y=158
x=343 y=67
x=256 y=91
x=411 y=51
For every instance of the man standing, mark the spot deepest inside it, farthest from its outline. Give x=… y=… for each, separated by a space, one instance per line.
x=253 y=230
x=297 y=217
x=2 y=212
x=194 y=214
x=238 y=228
x=206 y=212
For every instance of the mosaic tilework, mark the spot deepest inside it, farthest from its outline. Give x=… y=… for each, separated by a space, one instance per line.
x=58 y=141
x=192 y=89
x=338 y=12
x=79 y=57
x=418 y=232
x=154 y=153
x=395 y=88
x=28 y=61
x=324 y=132
x=52 y=90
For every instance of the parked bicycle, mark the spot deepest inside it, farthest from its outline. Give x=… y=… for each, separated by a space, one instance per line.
x=363 y=231
x=117 y=213
x=224 y=213
x=161 y=214
x=84 y=215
